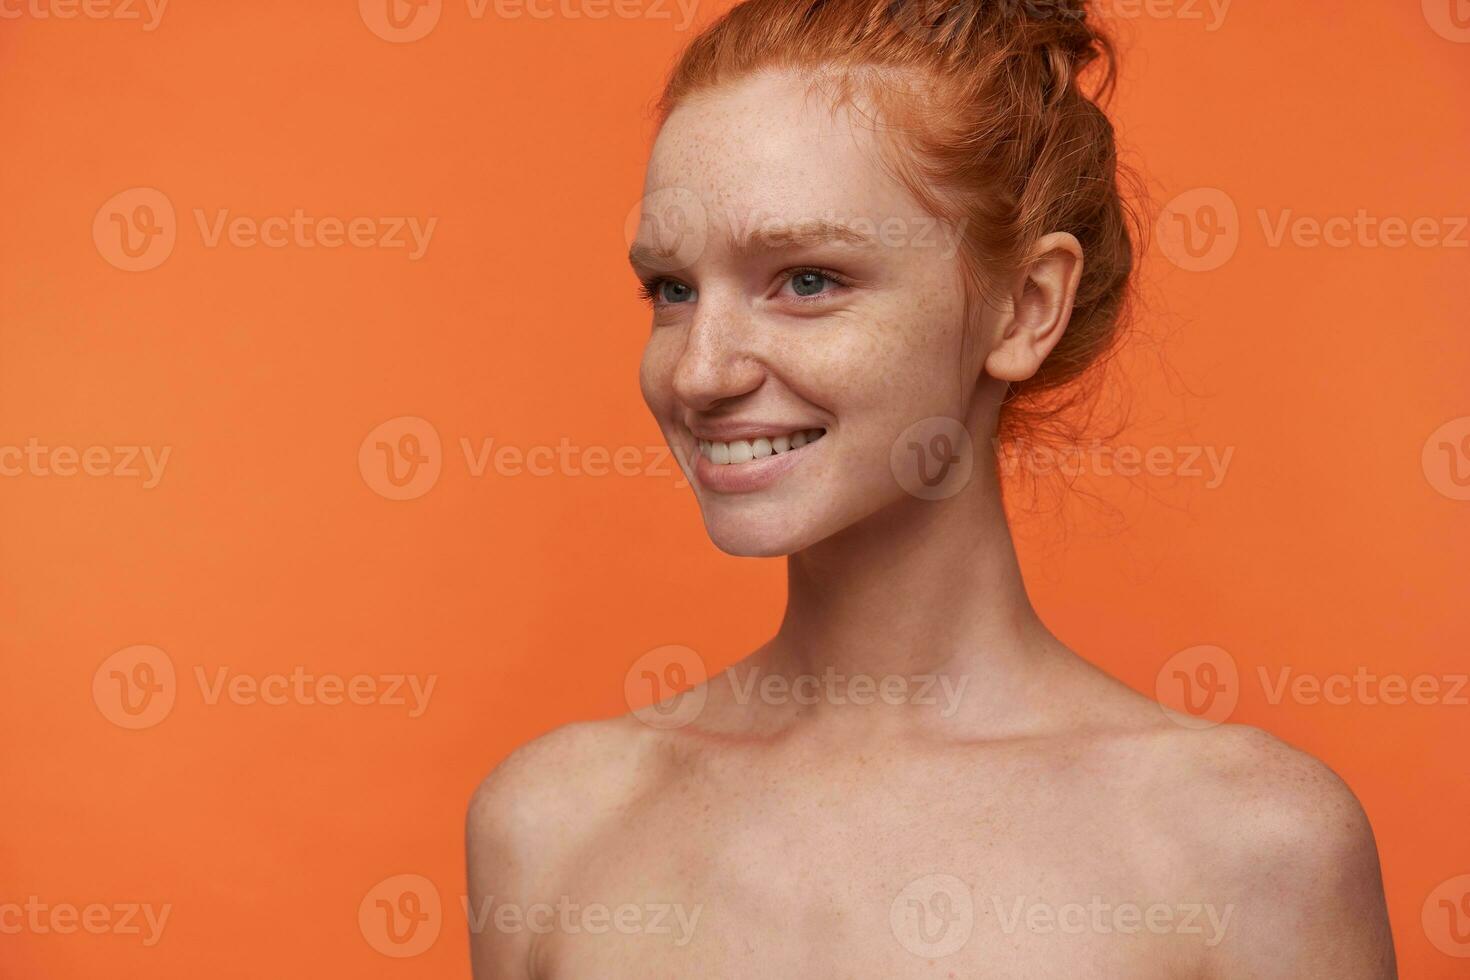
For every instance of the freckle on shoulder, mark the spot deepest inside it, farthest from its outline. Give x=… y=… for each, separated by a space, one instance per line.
x=1254 y=802
x=563 y=780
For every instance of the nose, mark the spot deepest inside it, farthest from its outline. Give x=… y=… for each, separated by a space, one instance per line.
x=716 y=363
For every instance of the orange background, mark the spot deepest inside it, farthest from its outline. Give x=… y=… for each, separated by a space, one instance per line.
x=1327 y=548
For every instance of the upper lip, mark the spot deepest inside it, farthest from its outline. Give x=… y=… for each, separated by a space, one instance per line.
x=729 y=430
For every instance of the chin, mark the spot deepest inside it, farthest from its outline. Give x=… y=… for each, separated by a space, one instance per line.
x=750 y=528
x=754 y=535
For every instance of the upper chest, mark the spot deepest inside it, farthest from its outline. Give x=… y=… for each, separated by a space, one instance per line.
x=1007 y=865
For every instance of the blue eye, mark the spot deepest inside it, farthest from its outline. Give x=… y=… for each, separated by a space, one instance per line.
x=671 y=291
x=809 y=283
x=660 y=291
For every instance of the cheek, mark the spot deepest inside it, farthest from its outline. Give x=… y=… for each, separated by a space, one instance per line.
x=900 y=361
x=656 y=371
x=922 y=341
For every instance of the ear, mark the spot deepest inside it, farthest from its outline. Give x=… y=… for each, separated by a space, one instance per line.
x=1041 y=304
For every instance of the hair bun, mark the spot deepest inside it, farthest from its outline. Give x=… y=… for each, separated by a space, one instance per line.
x=1063 y=34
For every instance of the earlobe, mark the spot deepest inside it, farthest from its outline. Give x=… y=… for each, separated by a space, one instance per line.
x=1041 y=305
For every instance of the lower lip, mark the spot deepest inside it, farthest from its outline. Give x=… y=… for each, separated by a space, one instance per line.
x=758 y=474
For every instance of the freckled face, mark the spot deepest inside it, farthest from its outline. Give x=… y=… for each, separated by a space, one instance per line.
x=797 y=288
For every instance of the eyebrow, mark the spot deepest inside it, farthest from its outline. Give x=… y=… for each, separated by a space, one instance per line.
x=649 y=256
x=800 y=234
x=768 y=237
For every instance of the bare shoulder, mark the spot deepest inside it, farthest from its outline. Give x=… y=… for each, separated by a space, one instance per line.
x=1256 y=797
x=1276 y=835
x=536 y=812
x=556 y=791
x=1244 y=805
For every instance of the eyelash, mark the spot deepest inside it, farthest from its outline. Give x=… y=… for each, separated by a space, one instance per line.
x=648 y=289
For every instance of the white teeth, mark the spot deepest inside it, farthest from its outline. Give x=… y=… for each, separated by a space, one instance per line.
x=745 y=450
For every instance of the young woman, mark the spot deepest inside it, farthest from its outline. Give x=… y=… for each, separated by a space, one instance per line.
x=876 y=235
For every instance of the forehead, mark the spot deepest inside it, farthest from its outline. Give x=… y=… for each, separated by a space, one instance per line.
x=773 y=146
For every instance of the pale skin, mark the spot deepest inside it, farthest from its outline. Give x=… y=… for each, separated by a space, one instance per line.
x=783 y=837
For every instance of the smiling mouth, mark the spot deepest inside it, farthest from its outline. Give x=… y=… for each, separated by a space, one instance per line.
x=750 y=450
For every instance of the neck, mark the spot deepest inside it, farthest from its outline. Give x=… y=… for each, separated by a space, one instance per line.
x=923 y=588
